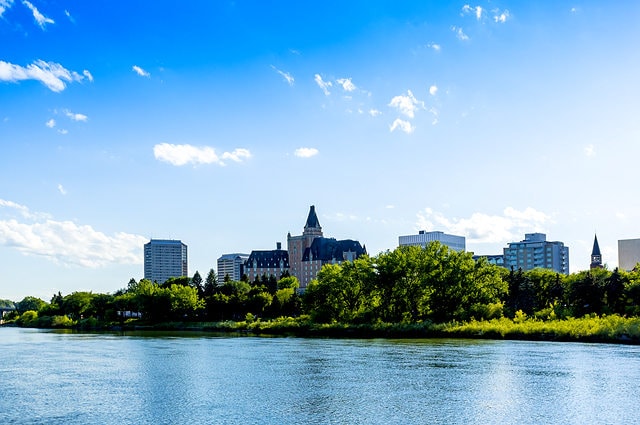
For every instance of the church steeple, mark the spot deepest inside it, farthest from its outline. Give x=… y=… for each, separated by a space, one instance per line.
x=596 y=257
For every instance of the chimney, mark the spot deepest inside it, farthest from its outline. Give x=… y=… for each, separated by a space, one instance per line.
x=278 y=245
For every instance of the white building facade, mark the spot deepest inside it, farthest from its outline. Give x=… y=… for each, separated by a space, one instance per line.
x=456 y=243
x=536 y=252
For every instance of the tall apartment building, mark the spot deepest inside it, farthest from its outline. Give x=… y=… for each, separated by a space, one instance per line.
x=456 y=243
x=536 y=252
x=231 y=265
x=628 y=254
x=164 y=258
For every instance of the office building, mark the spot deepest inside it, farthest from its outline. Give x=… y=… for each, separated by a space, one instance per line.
x=628 y=254
x=456 y=243
x=231 y=265
x=536 y=252
x=164 y=258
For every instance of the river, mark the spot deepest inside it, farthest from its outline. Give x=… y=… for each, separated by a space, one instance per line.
x=57 y=377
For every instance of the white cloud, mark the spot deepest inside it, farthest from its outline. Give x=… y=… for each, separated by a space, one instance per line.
x=287 y=77
x=68 y=15
x=407 y=105
x=62 y=190
x=374 y=112
x=484 y=228
x=141 y=72
x=63 y=131
x=346 y=84
x=51 y=123
x=501 y=17
x=402 y=125
x=76 y=117
x=477 y=11
x=39 y=17
x=460 y=34
x=306 y=152
x=434 y=46
x=179 y=155
x=88 y=75
x=5 y=5
x=590 y=150
x=324 y=85
x=435 y=114
x=65 y=242
x=52 y=75
x=238 y=155
x=433 y=90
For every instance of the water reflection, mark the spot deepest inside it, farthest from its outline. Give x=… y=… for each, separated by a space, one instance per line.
x=51 y=377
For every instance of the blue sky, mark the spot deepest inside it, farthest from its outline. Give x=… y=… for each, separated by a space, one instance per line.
x=220 y=123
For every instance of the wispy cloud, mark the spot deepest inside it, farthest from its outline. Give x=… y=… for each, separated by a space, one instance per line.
x=61 y=189
x=68 y=15
x=500 y=17
x=141 y=72
x=402 y=125
x=407 y=105
x=590 y=150
x=306 y=152
x=65 y=242
x=433 y=90
x=476 y=10
x=75 y=117
x=287 y=76
x=51 y=74
x=324 y=85
x=88 y=75
x=51 y=123
x=460 y=33
x=374 y=112
x=4 y=6
x=39 y=17
x=346 y=84
x=179 y=155
x=434 y=46
x=484 y=228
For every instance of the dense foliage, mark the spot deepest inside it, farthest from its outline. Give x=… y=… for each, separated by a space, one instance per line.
x=410 y=286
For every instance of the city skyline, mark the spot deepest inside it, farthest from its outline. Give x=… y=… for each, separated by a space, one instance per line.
x=209 y=123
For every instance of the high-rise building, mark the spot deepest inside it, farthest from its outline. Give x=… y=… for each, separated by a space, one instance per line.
x=231 y=265
x=628 y=254
x=456 y=243
x=164 y=258
x=536 y=252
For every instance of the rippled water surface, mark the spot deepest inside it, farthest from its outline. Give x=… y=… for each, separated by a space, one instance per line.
x=52 y=377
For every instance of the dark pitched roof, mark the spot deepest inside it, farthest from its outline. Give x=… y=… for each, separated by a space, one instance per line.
x=270 y=259
x=327 y=249
x=596 y=247
x=312 y=219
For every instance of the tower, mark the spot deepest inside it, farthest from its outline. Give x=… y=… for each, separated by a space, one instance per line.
x=297 y=245
x=596 y=257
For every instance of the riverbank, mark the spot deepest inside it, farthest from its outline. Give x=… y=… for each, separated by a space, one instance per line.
x=602 y=329
x=605 y=329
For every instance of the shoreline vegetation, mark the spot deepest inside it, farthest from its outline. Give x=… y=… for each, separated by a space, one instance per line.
x=410 y=292
x=592 y=329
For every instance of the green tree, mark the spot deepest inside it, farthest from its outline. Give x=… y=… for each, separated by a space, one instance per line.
x=77 y=305
x=196 y=282
x=184 y=300
x=614 y=289
x=30 y=303
x=211 y=283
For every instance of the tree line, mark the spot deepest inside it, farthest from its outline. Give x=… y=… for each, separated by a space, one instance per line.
x=407 y=285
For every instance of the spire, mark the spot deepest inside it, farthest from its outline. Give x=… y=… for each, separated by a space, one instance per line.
x=312 y=219
x=312 y=227
x=596 y=257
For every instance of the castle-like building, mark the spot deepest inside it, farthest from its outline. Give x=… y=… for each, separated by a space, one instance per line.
x=305 y=254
